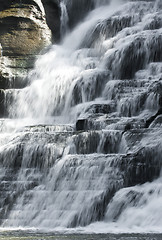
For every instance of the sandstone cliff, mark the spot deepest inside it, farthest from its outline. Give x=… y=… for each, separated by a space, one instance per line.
x=23 y=34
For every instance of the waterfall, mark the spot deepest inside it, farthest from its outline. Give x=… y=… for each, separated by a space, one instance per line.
x=81 y=144
x=138 y=206
x=64 y=19
x=66 y=63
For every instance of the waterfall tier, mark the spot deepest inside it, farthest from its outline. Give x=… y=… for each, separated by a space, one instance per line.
x=83 y=142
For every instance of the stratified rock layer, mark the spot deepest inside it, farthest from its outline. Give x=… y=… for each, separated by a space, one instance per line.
x=23 y=34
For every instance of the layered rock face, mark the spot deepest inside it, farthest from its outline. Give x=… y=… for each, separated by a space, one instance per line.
x=23 y=34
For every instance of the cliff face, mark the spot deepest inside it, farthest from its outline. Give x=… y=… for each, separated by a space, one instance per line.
x=23 y=33
x=53 y=12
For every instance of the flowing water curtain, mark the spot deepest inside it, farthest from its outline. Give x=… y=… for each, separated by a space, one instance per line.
x=58 y=68
x=64 y=18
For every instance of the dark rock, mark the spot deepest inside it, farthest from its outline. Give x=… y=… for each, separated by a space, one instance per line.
x=152 y=118
x=100 y=108
x=81 y=124
x=77 y=10
x=157 y=122
x=53 y=12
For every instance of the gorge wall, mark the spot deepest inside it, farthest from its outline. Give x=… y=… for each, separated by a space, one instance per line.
x=24 y=32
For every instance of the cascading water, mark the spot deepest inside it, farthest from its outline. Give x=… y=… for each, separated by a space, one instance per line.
x=64 y=19
x=87 y=129
x=63 y=66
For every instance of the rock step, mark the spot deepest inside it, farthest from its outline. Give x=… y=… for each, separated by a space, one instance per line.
x=23 y=125
x=97 y=176
x=113 y=121
x=8 y=186
x=31 y=149
x=41 y=149
x=118 y=89
x=153 y=71
x=49 y=128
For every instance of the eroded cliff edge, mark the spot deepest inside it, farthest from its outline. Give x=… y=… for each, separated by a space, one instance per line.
x=23 y=34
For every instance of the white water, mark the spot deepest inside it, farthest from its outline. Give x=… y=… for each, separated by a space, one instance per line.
x=64 y=19
x=71 y=173
x=58 y=71
x=141 y=211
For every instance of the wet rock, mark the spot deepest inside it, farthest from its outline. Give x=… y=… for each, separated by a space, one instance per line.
x=53 y=12
x=100 y=108
x=77 y=10
x=107 y=29
x=157 y=122
x=81 y=124
x=2 y=105
x=140 y=50
x=154 y=120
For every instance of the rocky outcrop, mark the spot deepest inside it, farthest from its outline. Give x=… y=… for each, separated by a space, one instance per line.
x=23 y=34
x=53 y=13
x=77 y=10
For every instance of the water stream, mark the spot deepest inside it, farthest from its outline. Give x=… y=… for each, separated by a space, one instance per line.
x=81 y=148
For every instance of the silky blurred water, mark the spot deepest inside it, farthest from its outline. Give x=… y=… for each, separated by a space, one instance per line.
x=53 y=177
